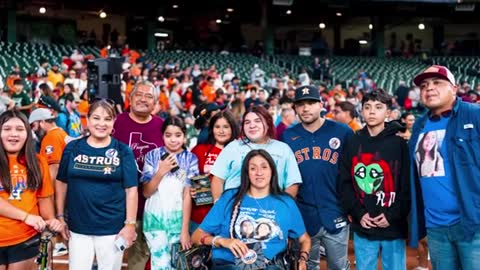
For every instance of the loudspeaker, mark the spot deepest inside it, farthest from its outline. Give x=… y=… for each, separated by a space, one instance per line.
x=104 y=78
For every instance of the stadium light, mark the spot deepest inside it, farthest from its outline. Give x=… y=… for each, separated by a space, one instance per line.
x=339 y=14
x=421 y=26
x=230 y=9
x=103 y=15
x=370 y=26
x=161 y=34
x=218 y=21
x=175 y=6
x=322 y=26
x=289 y=12
x=42 y=10
x=363 y=42
x=161 y=19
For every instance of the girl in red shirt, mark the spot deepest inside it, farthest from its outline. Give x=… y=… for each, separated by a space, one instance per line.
x=222 y=130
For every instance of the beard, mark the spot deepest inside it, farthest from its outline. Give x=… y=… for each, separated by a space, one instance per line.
x=40 y=133
x=310 y=121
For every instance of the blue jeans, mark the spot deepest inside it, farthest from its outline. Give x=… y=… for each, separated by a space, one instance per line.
x=448 y=251
x=366 y=253
x=336 y=249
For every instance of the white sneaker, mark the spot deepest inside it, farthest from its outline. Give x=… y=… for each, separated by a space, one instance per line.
x=420 y=268
x=59 y=250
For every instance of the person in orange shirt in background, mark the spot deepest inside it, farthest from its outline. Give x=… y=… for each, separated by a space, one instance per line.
x=208 y=90
x=83 y=108
x=344 y=112
x=104 y=51
x=26 y=205
x=53 y=141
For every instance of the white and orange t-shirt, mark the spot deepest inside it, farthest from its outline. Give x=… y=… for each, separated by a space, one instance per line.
x=12 y=231
x=53 y=144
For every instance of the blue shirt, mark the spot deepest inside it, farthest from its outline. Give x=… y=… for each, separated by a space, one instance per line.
x=70 y=122
x=462 y=144
x=270 y=220
x=318 y=155
x=229 y=163
x=440 y=202
x=97 y=179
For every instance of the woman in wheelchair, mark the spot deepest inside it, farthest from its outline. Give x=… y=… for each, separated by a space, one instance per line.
x=270 y=213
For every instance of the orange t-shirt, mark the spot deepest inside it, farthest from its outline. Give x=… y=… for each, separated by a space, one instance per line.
x=209 y=93
x=13 y=231
x=83 y=110
x=354 y=125
x=52 y=145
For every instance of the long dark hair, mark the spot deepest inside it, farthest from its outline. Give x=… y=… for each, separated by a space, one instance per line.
x=267 y=121
x=245 y=179
x=431 y=152
x=27 y=155
x=231 y=122
x=245 y=184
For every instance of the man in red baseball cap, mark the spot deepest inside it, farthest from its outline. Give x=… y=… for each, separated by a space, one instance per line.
x=445 y=149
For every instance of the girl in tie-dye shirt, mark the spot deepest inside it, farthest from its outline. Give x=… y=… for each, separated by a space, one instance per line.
x=167 y=189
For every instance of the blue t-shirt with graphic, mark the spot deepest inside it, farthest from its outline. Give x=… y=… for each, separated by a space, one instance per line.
x=70 y=122
x=97 y=179
x=269 y=221
x=441 y=205
x=229 y=163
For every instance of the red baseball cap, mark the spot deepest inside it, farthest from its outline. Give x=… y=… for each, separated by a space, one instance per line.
x=435 y=71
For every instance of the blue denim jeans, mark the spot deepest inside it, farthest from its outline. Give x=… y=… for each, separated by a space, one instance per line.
x=336 y=249
x=366 y=253
x=448 y=251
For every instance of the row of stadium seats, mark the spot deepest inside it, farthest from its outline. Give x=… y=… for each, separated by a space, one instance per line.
x=387 y=73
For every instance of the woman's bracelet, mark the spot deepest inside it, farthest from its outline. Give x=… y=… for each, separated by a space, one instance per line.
x=214 y=239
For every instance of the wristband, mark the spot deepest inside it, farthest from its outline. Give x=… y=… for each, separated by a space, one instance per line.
x=213 y=240
x=60 y=216
x=25 y=218
x=130 y=222
x=202 y=240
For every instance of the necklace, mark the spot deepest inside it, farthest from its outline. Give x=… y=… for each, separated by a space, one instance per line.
x=258 y=203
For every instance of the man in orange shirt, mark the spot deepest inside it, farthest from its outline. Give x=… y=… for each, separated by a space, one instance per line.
x=53 y=141
x=344 y=112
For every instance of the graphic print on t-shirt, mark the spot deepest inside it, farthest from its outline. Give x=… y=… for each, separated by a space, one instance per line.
x=373 y=175
x=140 y=147
x=19 y=182
x=428 y=153
x=107 y=164
x=256 y=225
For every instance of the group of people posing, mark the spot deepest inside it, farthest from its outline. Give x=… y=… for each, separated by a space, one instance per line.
x=127 y=184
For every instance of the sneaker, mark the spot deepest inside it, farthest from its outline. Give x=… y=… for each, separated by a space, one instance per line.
x=59 y=250
x=420 y=268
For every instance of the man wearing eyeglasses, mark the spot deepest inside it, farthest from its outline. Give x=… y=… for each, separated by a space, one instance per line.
x=142 y=132
x=446 y=202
